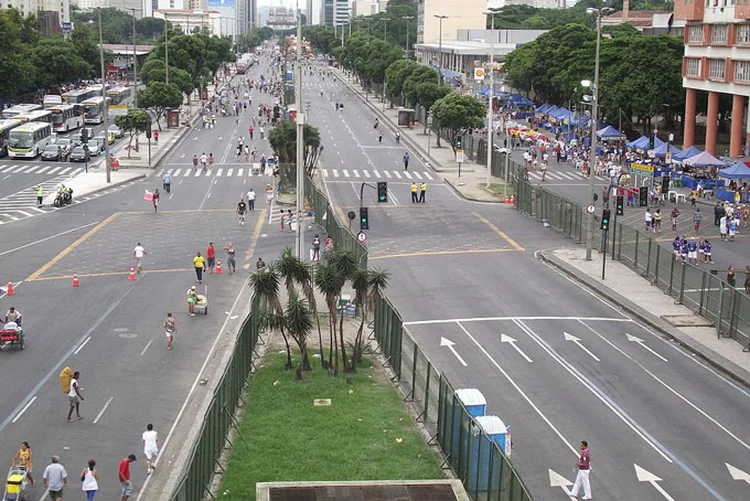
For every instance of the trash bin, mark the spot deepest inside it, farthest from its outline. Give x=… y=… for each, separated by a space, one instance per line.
x=496 y=432
x=475 y=404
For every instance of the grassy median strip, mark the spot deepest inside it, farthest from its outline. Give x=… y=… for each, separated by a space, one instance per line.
x=364 y=434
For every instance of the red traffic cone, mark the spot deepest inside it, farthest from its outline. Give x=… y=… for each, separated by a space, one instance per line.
x=218 y=267
x=10 y=291
x=75 y=280
x=512 y=200
x=507 y=199
x=131 y=276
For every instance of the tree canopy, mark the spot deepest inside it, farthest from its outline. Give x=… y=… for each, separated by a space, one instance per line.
x=117 y=25
x=158 y=97
x=283 y=139
x=457 y=114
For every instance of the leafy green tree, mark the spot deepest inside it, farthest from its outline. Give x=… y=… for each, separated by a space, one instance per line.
x=457 y=114
x=86 y=45
x=133 y=123
x=283 y=139
x=396 y=74
x=13 y=56
x=266 y=286
x=422 y=74
x=57 y=63
x=158 y=97
x=153 y=71
x=428 y=93
x=322 y=38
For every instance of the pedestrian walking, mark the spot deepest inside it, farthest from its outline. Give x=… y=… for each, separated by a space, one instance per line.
x=316 y=248
x=55 y=479
x=251 y=199
x=380 y=137
x=170 y=328
x=406 y=161
x=290 y=220
x=155 y=199
x=269 y=194
x=231 y=253
x=211 y=257
x=156 y=137
x=544 y=171
x=697 y=218
x=647 y=219
x=39 y=195
x=210 y=161
x=90 y=480
x=150 y=447
x=123 y=474
x=731 y=277
x=584 y=468
x=74 y=398
x=656 y=226
x=422 y=192
x=414 y=195
x=199 y=263
x=675 y=215
x=195 y=162
x=138 y=253
x=24 y=458
x=692 y=246
x=282 y=218
x=718 y=212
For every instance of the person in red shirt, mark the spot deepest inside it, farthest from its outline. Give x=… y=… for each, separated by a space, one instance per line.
x=250 y=130
x=584 y=468
x=211 y=257
x=124 y=475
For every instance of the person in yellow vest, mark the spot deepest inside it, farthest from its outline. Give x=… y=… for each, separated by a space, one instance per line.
x=414 y=197
x=39 y=195
x=422 y=191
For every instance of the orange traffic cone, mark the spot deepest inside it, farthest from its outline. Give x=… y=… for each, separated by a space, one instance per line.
x=132 y=274
x=10 y=289
x=218 y=267
x=75 y=280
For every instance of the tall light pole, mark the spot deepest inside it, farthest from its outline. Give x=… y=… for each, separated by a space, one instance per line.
x=385 y=29
x=594 y=115
x=107 y=163
x=135 y=59
x=407 y=18
x=166 y=50
x=300 y=142
x=491 y=97
x=440 y=48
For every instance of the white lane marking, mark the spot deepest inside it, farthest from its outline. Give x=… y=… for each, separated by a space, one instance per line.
x=497 y=319
x=239 y=172
x=146 y=348
x=230 y=172
x=408 y=176
x=32 y=169
x=7 y=168
x=396 y=173
x=219 y=172
x=65 y=170
x=417 y=175
x=387 y=174
x=101 y=412
x=176 y=172
x=428 y=176
x=335 y=173
x=366 y=173
x=198 y=172
x=375 y=173
x=80 y=346
x=44 y=169
x=25 y=408
x=54 y=169
x=325 y=172
x=345 y=172
x=355 y=172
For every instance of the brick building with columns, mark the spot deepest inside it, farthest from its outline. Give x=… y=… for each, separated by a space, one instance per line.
x=716 y=61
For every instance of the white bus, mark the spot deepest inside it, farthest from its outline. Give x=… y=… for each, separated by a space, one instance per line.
x=78 y=96
x=35 y=116
x=5 y=127
x=29 y=139
x=118 y=95
x=20 y=109
x=52 y=100
x=94 y=110
x=66 y=117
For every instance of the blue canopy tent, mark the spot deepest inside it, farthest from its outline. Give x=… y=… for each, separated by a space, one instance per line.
x=543 y=108
x=563 y=114
x=609 y=132
x=642 y=143
x=704 y=159
x=518 y=101
x=688 y=152
x=740 y=170
x=661 y=151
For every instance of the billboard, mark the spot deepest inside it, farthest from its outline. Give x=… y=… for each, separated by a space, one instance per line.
x=220 y=3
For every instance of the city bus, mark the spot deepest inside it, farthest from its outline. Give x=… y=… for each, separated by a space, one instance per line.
x=28 y=140
x=78 y=96
x=51 y=100
x=20 y=109
x=118 y=95
x=5 y=127
x=35 y=116
x=94 y=110
x=67 y=117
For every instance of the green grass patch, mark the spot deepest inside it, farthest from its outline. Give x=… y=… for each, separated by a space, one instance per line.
x=365 y=434
x=497 y=189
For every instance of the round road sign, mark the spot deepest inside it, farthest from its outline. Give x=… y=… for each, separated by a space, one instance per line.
x=361 y=236
x=591 y=209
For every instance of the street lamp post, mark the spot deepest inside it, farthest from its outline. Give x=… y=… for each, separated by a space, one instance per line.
x=407 y=18
x=107 y=160
x=594 y=115
x=301 y=118
x=440 y=48
x=385 y=29
x=135 y=60
x=491 y=97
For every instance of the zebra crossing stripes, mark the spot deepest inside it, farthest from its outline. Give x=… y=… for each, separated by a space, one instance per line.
x=563 y=176
x=366 y=173
x=327 y=173
x=217 y=172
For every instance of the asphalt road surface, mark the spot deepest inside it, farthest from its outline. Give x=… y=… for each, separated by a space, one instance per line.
x=556 y=363
x=109 y=328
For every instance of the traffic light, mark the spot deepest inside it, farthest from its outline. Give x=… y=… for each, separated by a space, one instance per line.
x=458 y=143
x=606 y=213
x=84 y=135
x=382 y=191
x=643 y=196
x=651 y=142
x=364 y=220
x=620 y=209
x=665 y=184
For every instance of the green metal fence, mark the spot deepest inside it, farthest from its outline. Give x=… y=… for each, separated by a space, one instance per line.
x=705 y=291
x=204 y=456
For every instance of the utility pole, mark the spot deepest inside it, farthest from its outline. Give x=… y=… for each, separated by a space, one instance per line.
x=135 y=60
x=166 y=50
x=407 y=19
x=440 y=47
x=491 y=97
x=107 y=159
x=300 y=240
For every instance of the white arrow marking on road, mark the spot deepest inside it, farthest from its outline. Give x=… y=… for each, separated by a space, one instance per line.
x=557 y=480
x=512 y=342
x=570 y=337
x=450 y=344
x=634 y=339
x=738 y=474
x=647 y=476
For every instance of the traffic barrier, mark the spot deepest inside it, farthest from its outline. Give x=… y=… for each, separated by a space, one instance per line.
x=75 y=280
x=10 y=291
x=512 y=200
x=507 y=199
x=218 y=267
x=132 y=274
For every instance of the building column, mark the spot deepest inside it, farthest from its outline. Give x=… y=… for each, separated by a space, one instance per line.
x=738 y=114
x=689 y=129
x=712 y=122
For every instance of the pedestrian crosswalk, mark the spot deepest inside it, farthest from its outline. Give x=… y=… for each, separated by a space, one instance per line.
x=47 y=169
x=252 y=170
x=562 y=176
x=23 y=203
x=377 y=174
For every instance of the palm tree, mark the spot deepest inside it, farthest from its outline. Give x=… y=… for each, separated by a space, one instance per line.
x=265 y=284
x=345 y=265
x=361 y=284
x=329 y=282
x=378 y=282
x=299 y=323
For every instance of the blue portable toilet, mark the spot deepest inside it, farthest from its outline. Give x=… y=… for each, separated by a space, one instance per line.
x=476 y=405
x=496 y=432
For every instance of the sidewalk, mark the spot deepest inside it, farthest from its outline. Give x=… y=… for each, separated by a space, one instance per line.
x=640 y=299
x=95 y=180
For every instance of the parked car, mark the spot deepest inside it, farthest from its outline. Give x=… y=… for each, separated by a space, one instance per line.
x=54 y=152
x=110 y=136
x=65 y=143
x=80 y=154
x=96 y=145
x=118 y=132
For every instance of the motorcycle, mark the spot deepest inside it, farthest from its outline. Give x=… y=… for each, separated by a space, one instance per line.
x=65 y=198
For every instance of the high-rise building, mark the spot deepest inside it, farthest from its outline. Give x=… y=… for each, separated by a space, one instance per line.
x=50 y=23
x=466 y=15
x=716 y=61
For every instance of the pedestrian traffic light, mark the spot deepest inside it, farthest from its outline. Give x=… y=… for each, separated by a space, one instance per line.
x=458 y=143
x=643 y=196
x=665 y=184
x=620 y=208
x=382 y=191
x=606 y=213
x=364 y=220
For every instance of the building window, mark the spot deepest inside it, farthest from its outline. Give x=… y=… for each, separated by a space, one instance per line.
x=695 y=34
x=716 y=69
x=742 y=71
x=719 y=34
x=693 y=67
x=743 y=33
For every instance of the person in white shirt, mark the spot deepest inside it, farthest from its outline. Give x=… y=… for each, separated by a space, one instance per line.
x=150 y=447
x=138 y=253
x=251 y=199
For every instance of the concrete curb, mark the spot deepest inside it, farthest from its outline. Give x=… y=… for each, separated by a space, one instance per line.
x=95 y=190
x=458 y=192
x=663 y=327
